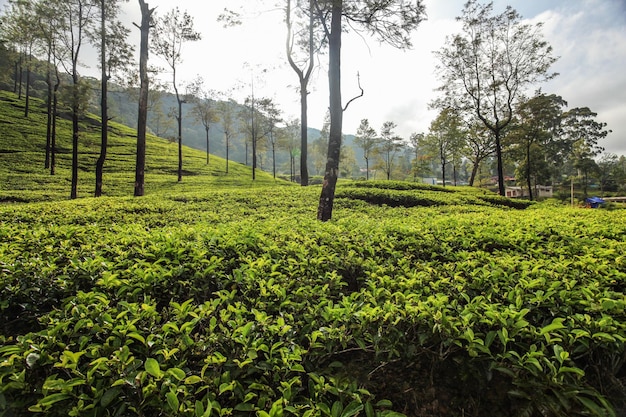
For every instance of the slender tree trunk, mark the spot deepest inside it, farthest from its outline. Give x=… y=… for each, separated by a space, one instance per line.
x=304 y=170
x=142 y=117
x=227 y=149
x=367 y=169
x=53 y=138
x=179 y=119
x=20 y=76
x=501 y=189
x=207 y=144
x=454 y=174
x=48 y=109
x=327 y=197
x=274 y=160
x=254 y=160
x=16 y=76
x=27 y=104
x=104 y=113
x=75 y=129
x=475 y=166
x=443 y=171
x=528 y=173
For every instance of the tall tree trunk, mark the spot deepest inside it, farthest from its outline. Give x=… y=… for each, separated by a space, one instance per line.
x=27 y=104
x=475 y=166
x=274 y=160
x=20 y=76
x=53 y=138
x=227 y=149
x=179 y=119
x=104 y=129
x=443 y=171
x=16 y=75
x=528 y=179
x=142 y=116
x=253 y=132
x=497 y=132
x=48 y=109
x=367 y=169
x=75 y=128
x=327 y=197
x=207 y=144
x=454 y=173
x=304 y=170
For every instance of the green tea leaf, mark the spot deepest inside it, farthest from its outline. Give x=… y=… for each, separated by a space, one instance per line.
x=109 y=396
x=172 y=400
x=153 y=368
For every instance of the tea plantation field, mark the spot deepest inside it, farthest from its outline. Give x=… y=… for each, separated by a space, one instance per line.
x=237 y=302
x=223 y=296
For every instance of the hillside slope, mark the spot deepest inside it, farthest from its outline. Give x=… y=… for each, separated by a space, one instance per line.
x=24 y=177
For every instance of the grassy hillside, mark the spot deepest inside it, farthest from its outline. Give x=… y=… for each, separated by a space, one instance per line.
x=223 y=297
x=22 y=153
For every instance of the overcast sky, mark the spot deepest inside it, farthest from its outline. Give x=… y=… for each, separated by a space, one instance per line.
x=589 y=36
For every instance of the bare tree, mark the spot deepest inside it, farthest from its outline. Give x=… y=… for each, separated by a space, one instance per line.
x=172 y=30
x=485 y=68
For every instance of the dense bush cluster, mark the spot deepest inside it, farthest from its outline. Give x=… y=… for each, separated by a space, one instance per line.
x=239 y=303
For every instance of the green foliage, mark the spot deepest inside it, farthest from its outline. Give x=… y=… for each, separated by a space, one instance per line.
x=199 y=300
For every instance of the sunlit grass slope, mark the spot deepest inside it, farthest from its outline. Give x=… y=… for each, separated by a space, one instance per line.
x=22 y=155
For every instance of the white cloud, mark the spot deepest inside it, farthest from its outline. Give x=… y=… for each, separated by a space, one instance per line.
x=588 y=35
